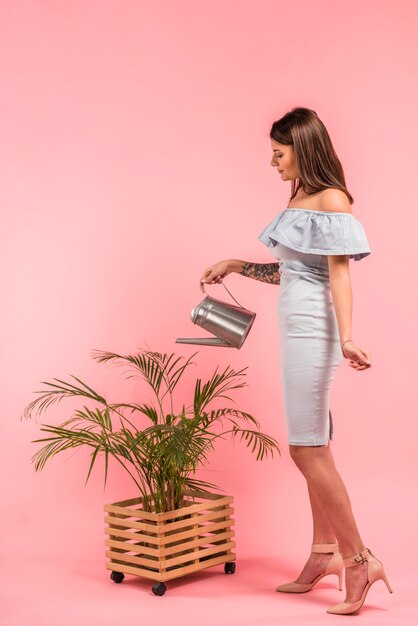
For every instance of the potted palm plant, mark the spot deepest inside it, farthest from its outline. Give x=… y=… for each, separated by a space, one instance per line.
x=176 y=524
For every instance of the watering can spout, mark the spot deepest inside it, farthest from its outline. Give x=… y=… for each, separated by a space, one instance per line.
x=205 y=341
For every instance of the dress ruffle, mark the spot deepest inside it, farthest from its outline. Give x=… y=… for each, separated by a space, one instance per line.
x=317 y=232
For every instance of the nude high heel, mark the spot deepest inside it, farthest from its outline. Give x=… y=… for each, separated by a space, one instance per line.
x=335 y=566
x=375 y=572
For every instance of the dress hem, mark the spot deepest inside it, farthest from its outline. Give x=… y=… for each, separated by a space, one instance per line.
x=304 y=443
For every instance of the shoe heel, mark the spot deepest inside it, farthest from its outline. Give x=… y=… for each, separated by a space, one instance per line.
x=340 y=579
x=385 y=580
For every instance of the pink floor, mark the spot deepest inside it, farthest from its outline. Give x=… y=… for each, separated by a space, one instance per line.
x=54 y=592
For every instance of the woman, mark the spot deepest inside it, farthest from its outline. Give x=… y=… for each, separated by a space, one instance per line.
x=313 y=239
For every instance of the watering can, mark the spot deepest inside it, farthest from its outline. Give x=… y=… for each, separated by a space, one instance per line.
x=229 y=323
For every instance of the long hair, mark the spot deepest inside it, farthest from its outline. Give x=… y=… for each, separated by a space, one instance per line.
x=316 y=159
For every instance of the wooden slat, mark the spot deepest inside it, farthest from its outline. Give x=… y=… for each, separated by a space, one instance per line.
x=171 y=515
x=133 y=501
x=124 y=507
x=158 y=538
x=201 y=518
x=190 y=569
x=162 y=517
x=202 y=541
x=180 y=548
x=136 y=571
x=172 y=574
x=127 y=502
x=127 y=523
x=180 y=540
x=187 y=549
x=187 y=492
x=164 y=558
x=133 y=560
x=203 y=495
x=147 y=560
x=127 y=512
x=196 y=548
x=194 y=508
x=141 y=538
x=165 y=528
x=126 y=546
x=190 y=556
x=117 y=532
x=199 y=531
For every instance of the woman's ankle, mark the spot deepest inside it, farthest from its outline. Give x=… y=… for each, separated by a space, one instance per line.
x=322 y=539
x=350 y=550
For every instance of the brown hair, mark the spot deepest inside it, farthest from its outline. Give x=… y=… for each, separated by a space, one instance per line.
x=316 y=159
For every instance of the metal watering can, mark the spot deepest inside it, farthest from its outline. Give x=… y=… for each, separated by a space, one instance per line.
x=229 y=323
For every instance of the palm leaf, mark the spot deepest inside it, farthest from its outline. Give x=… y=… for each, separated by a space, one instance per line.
x=259 y=441
x=199 y=485
x=216 y=387
x=146 y=409
x=146 y=364
x=57 y=393
x=172 y=378
x=93 y=459
x=207 y=419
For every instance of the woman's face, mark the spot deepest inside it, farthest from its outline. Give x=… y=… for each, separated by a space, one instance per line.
x=284 y=160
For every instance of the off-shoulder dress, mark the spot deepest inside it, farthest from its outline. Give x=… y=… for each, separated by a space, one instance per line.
x=310 y=352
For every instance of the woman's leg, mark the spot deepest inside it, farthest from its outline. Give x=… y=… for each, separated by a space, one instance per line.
x=323 y=532
x=330 y=501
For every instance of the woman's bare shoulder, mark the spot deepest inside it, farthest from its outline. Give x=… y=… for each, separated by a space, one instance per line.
x=335 y=200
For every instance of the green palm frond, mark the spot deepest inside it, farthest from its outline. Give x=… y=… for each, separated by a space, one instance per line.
x=57 y=393
x=154 y=367
x=146 y=409
x=147 y=366
x=159 y=448
x=259 y=441
x=216 y=387
x=168 y=364
x=199 y=485
x=63 y=439
x=207 y=419
x=185 y=448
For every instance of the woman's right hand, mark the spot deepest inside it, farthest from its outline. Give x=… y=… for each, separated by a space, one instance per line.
x=359 y=359
x=215 y=273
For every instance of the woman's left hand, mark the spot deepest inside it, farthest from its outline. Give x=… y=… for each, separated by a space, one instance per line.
x=359 y=359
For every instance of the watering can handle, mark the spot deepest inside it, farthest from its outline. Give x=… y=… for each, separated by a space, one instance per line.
x=240 y=305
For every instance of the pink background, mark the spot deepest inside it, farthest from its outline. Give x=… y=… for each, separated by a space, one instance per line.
x=134 y=153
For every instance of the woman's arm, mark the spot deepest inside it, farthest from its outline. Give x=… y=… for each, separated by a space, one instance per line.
x=266 y=272
x=342 y=296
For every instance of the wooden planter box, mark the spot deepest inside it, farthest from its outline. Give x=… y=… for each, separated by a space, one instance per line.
x=163 y=546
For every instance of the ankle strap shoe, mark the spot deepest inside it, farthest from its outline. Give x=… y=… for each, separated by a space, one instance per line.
x=375 y=572
x=335 y=566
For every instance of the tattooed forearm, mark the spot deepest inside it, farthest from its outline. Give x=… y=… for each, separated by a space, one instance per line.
x=266 y=272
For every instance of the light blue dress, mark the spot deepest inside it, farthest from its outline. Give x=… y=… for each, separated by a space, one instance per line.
x=310 y=353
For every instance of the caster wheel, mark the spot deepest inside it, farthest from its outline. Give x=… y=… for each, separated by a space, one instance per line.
x=117 y=577
x=159 y=589
x=230 y=568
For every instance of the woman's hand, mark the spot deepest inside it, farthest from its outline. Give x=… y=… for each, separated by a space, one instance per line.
x=215 y=273
x=359 y=358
